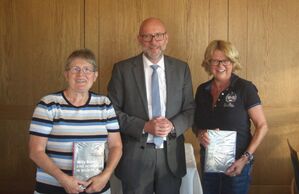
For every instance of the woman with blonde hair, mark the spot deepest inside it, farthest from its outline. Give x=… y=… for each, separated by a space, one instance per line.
x=228 y=102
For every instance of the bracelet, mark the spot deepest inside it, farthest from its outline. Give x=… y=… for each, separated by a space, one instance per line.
x=248 y=155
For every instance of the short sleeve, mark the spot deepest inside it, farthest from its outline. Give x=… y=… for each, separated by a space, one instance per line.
x=112 y=124
x=251 y=97
x=42 y=119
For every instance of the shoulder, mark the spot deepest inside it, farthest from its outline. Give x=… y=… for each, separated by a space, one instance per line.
x=129 y=61
x=243 y=84
x=174 y=61
x=203 y=90
x=56 y=97
x=204 y=86
x=98 y=99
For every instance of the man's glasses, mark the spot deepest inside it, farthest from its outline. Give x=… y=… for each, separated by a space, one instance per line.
x=150 y=37
x=224 y=62
x=85 y=70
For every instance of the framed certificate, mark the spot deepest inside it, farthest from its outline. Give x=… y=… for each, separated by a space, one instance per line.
x=88 y=159
x=221 y=151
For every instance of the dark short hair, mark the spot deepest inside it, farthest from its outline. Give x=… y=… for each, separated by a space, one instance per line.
x=85 y=54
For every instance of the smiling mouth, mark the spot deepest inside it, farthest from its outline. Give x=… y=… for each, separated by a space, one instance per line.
x=221 y=70
x=80 y=81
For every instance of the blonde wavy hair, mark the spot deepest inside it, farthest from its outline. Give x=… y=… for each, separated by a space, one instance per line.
x=229 y=51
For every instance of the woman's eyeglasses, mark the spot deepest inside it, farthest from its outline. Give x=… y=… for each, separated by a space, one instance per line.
x=85 y=70
x=224 y=62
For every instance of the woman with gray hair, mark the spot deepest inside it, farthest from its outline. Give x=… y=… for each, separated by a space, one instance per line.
x=73 y=115
x=228 y=103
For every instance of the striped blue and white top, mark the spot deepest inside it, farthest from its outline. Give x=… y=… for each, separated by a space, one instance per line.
x=62 y=123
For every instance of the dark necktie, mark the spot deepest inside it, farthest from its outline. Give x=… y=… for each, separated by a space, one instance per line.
x=156 y=104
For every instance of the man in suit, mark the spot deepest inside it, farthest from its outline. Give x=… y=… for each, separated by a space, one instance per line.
x=148 y=166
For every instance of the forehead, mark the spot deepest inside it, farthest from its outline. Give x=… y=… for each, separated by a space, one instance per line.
x=80 y=62
x=218 y=54
x=151 y=27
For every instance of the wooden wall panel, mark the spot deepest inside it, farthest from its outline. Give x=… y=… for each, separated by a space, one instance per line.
x=118 y=31
x=37 y=43
x=91 y=34
x=35 y=39
x=218 y=19
x=15 y=166
x=197 y=39
x=176 y=28
x=273 y=26
x=273 y=164
x=238 y=31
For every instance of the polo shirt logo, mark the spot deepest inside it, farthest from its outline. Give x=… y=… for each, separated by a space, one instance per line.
x=230 y=99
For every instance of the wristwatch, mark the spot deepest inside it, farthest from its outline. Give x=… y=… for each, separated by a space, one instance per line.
x=173 y=132
x=249 y=156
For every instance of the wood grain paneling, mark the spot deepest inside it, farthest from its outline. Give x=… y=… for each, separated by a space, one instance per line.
x=197 y=39
x=37 y=41
x=270 y=189
x=36 y=37
x=218 y=19
x=272 y=27
x=273 y=164
x=15 y=165
x=118 y=29
x=238 y=30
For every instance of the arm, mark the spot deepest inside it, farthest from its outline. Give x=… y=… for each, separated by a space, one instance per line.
x=37 y=146
x=184 y=118
x=257 y=116
x=115 y=152
x=131 y=125
x=261 y=128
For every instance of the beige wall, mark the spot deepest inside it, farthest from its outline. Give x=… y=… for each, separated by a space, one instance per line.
x=37 y=35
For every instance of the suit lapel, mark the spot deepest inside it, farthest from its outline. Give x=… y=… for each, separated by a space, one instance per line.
x=139 y=76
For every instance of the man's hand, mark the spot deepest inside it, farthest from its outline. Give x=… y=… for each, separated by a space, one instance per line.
x=159 y=126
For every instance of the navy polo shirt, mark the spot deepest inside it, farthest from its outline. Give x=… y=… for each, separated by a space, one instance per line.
x=230 y=110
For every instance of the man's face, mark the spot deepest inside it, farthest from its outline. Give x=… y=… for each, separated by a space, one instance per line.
x=153 y=38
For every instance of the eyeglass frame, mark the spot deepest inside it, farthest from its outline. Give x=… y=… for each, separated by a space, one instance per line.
x=153 y=36
x=215 y=62
x=85 y=70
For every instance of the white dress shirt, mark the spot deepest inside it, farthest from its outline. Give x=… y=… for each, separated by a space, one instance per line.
x=162 y=88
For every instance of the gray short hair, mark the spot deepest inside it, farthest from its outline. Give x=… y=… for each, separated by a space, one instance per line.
x=85 y=54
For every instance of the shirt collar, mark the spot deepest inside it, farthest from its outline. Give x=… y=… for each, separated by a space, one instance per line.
x=147 y=63
x=233 y=80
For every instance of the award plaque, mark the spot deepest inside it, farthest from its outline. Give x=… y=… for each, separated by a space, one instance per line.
x=221 y=152
x=88 y=159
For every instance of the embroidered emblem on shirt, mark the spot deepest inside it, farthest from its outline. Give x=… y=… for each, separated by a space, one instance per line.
x=230 y=99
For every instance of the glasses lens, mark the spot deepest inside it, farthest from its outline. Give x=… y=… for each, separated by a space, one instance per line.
x=159 y=36
x=75 y=69
x=87 y=70
x=149 y=37
x=222 y=62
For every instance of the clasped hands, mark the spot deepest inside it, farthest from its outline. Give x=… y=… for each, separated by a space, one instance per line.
x=159 y=126
x=75 y=186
